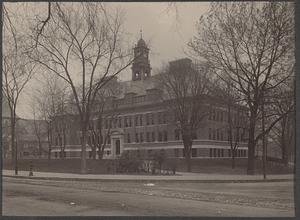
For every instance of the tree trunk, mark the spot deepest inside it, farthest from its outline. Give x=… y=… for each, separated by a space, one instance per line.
x=94 y=147
x=233 y=159
x=188 y=163
x=83 y=150
x=14 y=146
x=283 y=146
x=187 y=142
x=49 y=140
x=40 y=149
x=251 y=147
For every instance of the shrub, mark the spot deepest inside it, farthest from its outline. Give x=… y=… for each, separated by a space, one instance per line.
x=159 y=158
x=129 y=162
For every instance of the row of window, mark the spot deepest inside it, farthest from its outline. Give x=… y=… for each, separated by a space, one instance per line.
x=215 y=152
x=60 y=154
x=139 y=137
x=150 y=137
x=216 y=115
x=218 y=134
x=220 y=115
x=137 y=120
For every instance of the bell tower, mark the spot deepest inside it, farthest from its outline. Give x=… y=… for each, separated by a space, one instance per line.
x=141 y=66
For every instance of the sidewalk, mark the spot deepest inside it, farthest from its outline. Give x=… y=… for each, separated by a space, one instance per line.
x=180 y=176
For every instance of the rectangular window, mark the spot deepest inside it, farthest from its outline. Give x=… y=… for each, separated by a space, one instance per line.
x=128 y=138
x=129 y=121
x=148 y=136
x=221 y=114
x=194 y=152
x=149 y=153
x=137 y=137
x=214 y=134
x=209 y=133
x=115 y=122
x=136 y=120
x=120 y=122
x=215 y=152
x=106 y=123
x=229 y=153
x=218 y=134
x=152 y=119
x=177 y=135
x=159 y=117
x=99 y=124
x=176 y=152
x=110 y=123
x=159 y=136
x=210 y=152
x=125 y=122
x=164 y=118
x=89 y=138
x=147 y=119
x=219 y=152
x=108 y=139
x=141 y=137
x=222 y=152
x=153 y=136
x=165 y=136
x=141 y=120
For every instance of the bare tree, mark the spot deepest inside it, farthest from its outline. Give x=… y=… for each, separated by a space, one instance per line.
x=83 y=40
x=38 y=129
x=283 y=133
x=106 y=113
x=252 y=44
x=17 y=71
x=51 y=101
x=236 y=115
x=187 y=87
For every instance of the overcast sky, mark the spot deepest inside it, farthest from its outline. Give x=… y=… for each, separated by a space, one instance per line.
x=166 y=30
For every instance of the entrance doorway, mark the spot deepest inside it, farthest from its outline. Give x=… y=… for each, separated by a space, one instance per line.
x=118 y=149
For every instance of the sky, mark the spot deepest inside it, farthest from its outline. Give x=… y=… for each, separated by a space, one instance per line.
x=165 y=29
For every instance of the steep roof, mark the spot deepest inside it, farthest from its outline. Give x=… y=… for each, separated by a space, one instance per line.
x=138 y=87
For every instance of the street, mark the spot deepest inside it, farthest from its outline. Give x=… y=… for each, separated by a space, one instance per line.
x=35 y=197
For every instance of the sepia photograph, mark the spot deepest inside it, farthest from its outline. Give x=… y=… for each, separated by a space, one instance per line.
x=183 y=109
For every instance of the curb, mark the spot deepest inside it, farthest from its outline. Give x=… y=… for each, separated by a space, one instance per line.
x=145 y=180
